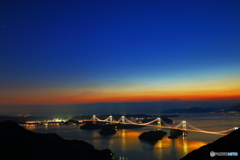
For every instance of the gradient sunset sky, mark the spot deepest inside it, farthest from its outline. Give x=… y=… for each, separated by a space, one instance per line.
x=90 y=51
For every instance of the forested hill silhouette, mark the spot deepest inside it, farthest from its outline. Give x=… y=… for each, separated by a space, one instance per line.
x=20 y=143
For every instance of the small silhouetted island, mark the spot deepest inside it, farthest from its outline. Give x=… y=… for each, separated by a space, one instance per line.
x=152 y=136
x=20 y=143
x=106 y=131
x=228 y=143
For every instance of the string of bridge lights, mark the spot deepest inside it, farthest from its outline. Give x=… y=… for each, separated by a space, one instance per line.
x=159 y=121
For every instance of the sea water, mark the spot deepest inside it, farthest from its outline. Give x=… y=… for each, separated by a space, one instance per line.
x=125 y=142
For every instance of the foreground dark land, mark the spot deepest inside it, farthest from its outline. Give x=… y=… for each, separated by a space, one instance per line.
x=228 y=143
x=19 y=143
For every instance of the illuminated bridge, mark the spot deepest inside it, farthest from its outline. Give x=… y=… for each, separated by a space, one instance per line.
x=184 y=125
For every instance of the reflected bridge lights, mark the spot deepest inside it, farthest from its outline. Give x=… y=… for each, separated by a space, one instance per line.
x=121 y=158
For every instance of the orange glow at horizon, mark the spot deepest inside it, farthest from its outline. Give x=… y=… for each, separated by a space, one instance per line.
x=209 y=90
x=108 y=98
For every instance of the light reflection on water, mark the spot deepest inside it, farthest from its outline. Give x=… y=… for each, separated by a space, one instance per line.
x=125 y=143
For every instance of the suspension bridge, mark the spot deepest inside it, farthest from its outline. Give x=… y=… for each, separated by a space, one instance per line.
x=184 y=125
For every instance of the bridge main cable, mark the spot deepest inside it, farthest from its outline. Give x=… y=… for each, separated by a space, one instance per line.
x=141 y=123
x=198 y=129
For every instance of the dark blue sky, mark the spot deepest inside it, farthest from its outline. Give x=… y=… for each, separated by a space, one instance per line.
x=81 y=51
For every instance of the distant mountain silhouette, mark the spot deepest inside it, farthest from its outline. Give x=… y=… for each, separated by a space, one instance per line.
x=235 y=108
x=189 y=110
x=228 y=143
x=19 y=143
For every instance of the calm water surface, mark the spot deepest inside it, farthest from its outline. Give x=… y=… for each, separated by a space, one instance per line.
x=125 y=143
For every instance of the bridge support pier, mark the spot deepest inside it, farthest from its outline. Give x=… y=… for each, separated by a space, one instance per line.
x=184 y=134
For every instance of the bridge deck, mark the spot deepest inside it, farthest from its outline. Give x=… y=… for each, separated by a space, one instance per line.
x=209 y=132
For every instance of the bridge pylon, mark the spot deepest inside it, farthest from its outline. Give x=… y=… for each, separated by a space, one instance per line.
x=123 y=119
x=94 y=119
x=159 y=124
x=184 y=126
x=110 y=119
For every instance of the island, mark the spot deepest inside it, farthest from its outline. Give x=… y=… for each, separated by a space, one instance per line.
x=106 y=131
x=152 y=136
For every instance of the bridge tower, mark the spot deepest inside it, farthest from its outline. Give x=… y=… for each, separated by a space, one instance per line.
x=159 y=123
x=123 y=119
x=94 y=119
x=184 y=126
x=110 y=119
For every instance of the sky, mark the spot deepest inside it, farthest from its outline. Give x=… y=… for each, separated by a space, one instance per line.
x=110 y=51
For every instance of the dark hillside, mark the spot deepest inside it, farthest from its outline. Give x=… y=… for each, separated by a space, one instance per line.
x=19 y=143
x=228 y=143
